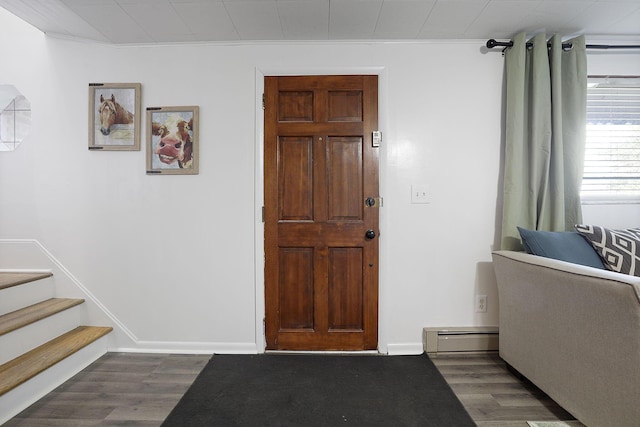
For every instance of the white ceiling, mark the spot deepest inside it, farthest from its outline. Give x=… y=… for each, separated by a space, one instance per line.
x=177 y=21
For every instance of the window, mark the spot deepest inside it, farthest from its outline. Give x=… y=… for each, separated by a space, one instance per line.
x=15 y=117
x=612 y=157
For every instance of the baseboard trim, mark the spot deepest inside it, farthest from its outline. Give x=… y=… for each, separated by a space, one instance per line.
x=404 y=349
x=189 y=348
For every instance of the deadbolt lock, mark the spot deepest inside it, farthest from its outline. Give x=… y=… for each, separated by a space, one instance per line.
x=373 y=202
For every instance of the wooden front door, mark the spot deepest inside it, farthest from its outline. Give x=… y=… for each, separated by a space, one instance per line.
x=321 y=234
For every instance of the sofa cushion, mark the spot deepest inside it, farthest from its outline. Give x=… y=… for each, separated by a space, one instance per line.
x=567 y=246
x=619 y=249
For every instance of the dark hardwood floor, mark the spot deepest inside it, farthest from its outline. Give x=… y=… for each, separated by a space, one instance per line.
x=494 y=396
x=119 y=389
x=130 y=389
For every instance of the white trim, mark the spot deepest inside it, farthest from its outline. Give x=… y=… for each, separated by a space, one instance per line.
x=327 y=42
x=86 y=291
x=328 y=352
x=404 y=349
x=276 y=70
x=190 y=348
x=258 y=224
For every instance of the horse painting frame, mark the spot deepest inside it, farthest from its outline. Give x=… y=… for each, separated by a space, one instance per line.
x=172 y=139
x=114 y=116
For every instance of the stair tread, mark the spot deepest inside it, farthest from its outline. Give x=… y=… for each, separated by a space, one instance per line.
x=27 y=315
x=22 y=368
x=9 y=279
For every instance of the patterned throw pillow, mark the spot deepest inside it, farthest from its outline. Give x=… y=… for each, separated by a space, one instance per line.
x=619 y=249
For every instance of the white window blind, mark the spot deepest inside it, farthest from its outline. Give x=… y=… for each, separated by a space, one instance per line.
x=612 y=156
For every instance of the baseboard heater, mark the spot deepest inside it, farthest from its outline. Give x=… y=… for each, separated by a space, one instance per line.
x=460 y=339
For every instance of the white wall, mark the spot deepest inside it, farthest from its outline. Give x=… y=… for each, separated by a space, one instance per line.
x=177 y=259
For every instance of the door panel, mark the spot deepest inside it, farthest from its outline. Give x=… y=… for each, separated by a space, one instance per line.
x=344 y=170
x=345 y=289
x=296 y=288
x=295 y=161
x=295 y=106
x=345 y=106
x=321 y=272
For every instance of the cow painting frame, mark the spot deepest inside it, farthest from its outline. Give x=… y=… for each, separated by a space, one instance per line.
x=114 y=116
x=173 y=140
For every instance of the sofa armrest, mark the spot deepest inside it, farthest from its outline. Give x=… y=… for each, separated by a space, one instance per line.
x=574 y=331
x=583 y=270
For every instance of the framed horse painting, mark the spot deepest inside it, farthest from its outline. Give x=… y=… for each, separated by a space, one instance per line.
x=114 y=116
x=172 y=140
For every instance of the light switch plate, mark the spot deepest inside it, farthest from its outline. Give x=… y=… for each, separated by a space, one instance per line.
x=420 y=194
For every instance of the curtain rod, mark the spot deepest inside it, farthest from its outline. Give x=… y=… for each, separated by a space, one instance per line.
x=491 y=43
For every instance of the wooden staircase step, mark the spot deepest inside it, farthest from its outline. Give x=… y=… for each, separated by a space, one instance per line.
x=22 y=368
x=25 y=316
x=9 y=279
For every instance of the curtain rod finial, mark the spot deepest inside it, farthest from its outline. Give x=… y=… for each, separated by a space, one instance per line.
x=491 y=43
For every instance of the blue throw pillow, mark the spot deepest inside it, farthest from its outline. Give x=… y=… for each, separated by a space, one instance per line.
x=567 y=246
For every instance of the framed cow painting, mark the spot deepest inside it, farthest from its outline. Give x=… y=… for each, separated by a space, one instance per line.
x=172 y=140
x=114 y=116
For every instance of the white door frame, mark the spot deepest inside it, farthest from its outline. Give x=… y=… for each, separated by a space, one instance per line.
x=261 y=72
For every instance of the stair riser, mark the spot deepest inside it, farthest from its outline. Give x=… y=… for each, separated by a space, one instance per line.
x=17 y=342
x=17 y=297
x=18 y=399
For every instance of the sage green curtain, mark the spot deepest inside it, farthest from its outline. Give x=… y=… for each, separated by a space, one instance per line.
x=545 y=131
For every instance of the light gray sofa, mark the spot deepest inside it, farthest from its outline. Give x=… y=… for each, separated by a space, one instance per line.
x=574 y=331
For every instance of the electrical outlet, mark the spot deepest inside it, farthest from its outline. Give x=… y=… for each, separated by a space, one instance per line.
x=481 y=303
